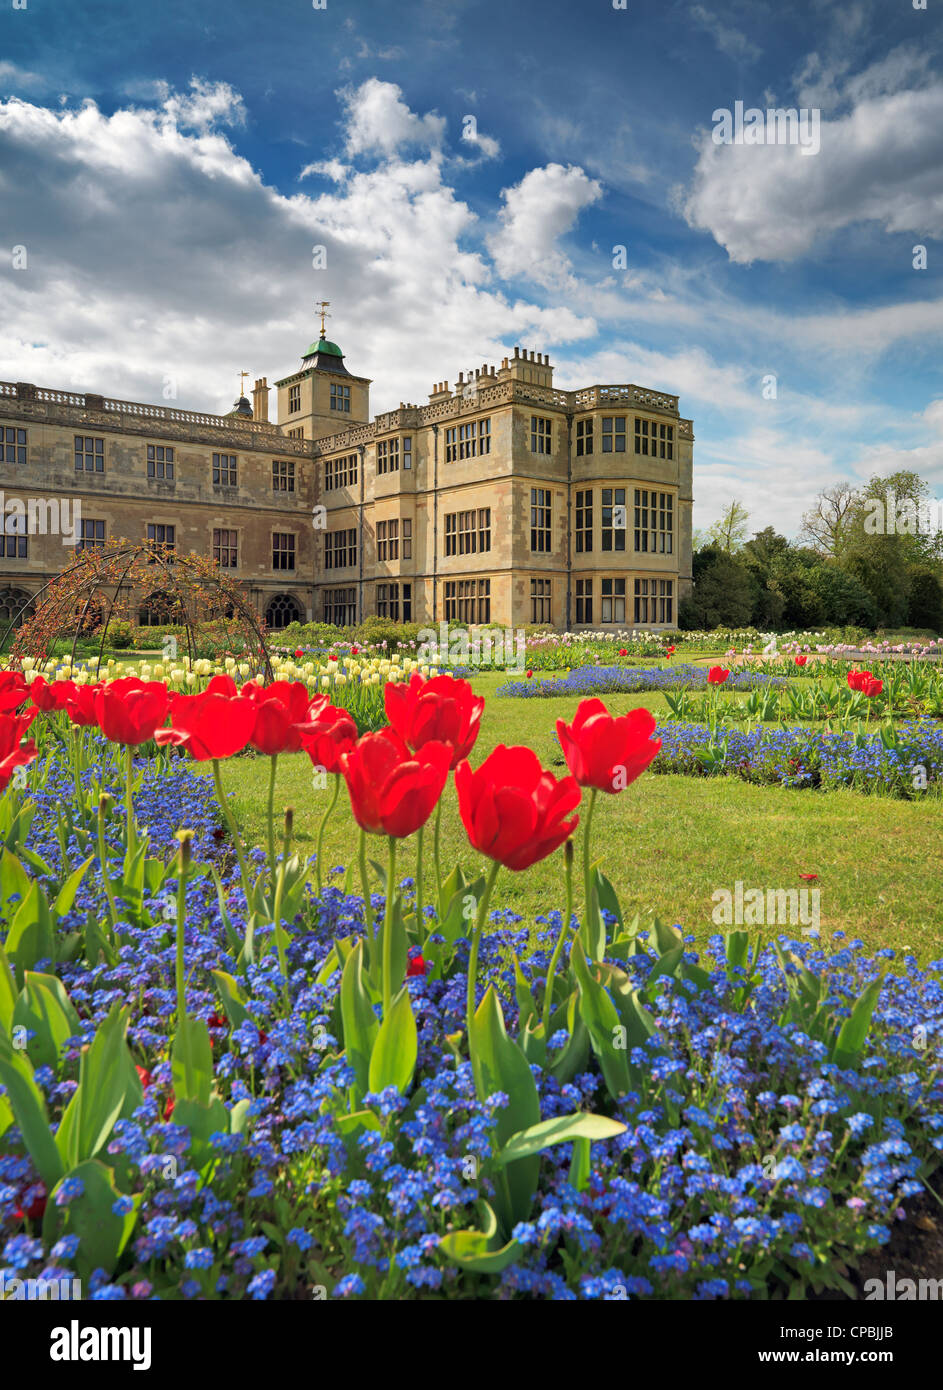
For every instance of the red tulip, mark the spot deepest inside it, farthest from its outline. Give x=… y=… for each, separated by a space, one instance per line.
x=332 y=657
x=79 y=703
x=717 y=675
x=211 y=724
x=144 y=1076
x=670 y=651
x=872 y=687
x=354 y=651
x=130 y=711
x=13 y=690
x=392 y=790
x=332 y=732
x=801 y=660
x=607 y=751
x=416 y=966
x=512 y=809
x=529 y=674
x=857 y=679
x=440 y=710
x=282 y=716
x=14 y=753
x=298 y=653
x=809 y=878
x=50 y=695
x=623 y=651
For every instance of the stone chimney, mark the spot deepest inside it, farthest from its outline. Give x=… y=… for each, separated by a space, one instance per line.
x=260 y=400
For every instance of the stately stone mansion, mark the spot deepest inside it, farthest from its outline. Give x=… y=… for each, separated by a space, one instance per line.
x=502 y=500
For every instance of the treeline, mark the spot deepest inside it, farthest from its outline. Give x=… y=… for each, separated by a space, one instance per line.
x=870 y=557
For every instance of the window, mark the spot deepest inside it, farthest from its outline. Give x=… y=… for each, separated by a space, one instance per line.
x=584 y=600
x=584 y=522
x=584 y=437
x=162 y=537
x=540 y=518
x=468 y=441
x=654 y=438
x=540 y=435
x=282 y=610
x=540 y=601
x=387 y=540
x=654 y=601
x=299 y=433
x=391 y=598
x=408 y=451
x=613 y=434
x=224 y=470
x=283 y=550
x=14 y=542
x=92 y=535
x=13 y=445
x=407 y=538
x=340 y=472
x=340 y=607
x=388 y=456
x=89 y=454
x=613 y=518
x=613 y=600
x=225 y=549
x=654 y=522
x=468 y=600
x=294 y=399
x=160 y=462
x=340 y=549
x=340 y=397
x=283 y=475
x=468 y=533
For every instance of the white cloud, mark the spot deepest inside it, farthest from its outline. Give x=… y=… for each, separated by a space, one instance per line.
x=12 y=76
x=730 y=41
x=880 y=163
x=159 y=251
x=380 y=122
x=537 y=212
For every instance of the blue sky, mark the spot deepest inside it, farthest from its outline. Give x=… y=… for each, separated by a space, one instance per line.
x=169 y=170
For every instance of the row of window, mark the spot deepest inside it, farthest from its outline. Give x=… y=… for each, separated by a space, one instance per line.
x=164 y=536
x=468 y=601
x=388 y=454
x=468 y=533
x=89 y=454
x=654 y=601
x=340 y=398
x=388 y=539
x=653 y=438
x=653 y=520
x=395 y=601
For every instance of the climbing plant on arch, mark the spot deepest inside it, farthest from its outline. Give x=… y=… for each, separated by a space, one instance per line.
x=117 y=580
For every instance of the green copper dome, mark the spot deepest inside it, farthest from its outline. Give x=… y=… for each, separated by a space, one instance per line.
x=323 y=345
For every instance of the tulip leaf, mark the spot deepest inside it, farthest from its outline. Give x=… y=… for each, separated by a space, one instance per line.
x=232 y=999
x=580 y=1164
x=607 y=897
x=46 y=1010
x=104 y=1090
x=359 y=1022
x=66 y=895
x=393 y=1059
x=31 y=937
x=191 y=1059
x=7 y=993
x=102 y=1233
x=499 y=1065
x=603 y=1025
x=854 y=1030
x=480 y=1251
x=29 y=1109
x=561 y=1130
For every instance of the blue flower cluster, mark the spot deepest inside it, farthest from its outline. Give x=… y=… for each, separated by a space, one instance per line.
x=807 y=757
x=586 y=681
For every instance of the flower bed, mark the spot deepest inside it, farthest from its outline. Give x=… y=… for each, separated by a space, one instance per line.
x=223 y=1082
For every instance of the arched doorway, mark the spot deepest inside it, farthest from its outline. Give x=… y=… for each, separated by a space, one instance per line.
x=15 y=607
x=282 y=610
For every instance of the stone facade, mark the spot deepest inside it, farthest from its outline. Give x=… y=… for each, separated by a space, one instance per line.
x=502 y=499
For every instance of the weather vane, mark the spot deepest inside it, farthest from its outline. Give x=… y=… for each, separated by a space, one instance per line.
x=321 y=308
x=242 y=382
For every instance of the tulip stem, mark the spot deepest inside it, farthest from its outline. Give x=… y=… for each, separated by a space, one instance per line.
x=476 y=942
x=435 y=850
x=558 y=947
x=388 y=928
x=367 y=904
x=234 y=833
x=277 y=910
x=273 y=761
x=128 y=798
x=419 y=906
x=588 y=894
x=324 y=821
x=183 y=864
x=106 y=875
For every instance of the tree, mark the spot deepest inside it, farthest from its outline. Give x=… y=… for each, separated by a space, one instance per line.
x=925 y=599
x=823 y=528
x=729 y=531
x=845 y=601
x=724 y=592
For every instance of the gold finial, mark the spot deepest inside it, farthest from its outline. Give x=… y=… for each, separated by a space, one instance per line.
x=321 y=308
x=242 y=382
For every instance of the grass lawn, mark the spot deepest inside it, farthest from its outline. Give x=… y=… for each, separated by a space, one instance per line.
x=668 y=842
